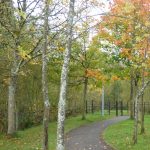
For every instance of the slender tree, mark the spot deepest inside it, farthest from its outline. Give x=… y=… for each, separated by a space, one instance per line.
x=131 y=102
x=12 y=82
x=142 y=96
x=64 y=75
x=139 y=94
x=85 y=84
x=44 y=79
x=17 y=25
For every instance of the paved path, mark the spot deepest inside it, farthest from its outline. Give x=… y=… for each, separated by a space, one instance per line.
x=88 y=137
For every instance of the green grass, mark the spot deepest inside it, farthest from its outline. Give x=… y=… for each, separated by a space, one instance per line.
x=119 y=136
x=31 y=139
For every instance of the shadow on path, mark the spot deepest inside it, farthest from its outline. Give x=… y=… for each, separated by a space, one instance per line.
x=88 y=137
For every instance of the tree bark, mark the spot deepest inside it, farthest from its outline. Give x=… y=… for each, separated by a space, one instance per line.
x=13 y=77
x=84 y=98
x=142 y=106
x=142 y=97
x=11 y=103
x=139 y=94
x=12 y=107
x=131 y=104
x=142 y=114
x=136 y=121
x=64 y=76
x=44 y=80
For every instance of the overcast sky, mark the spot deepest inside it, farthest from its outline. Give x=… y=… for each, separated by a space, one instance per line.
x=92 y=11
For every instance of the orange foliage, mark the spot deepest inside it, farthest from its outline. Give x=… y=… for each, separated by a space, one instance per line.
x=115 y=78
x=94 y=73
x=127 y=27
x=146 y=74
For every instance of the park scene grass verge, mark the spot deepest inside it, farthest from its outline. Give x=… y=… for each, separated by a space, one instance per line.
x=119 y=136
x=31 y=139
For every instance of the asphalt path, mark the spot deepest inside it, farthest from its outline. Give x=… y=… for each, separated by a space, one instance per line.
x=89 y=137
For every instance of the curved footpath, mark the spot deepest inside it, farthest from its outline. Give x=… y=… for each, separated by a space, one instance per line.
x=89 y=137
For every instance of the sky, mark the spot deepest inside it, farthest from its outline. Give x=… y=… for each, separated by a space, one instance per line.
x=92 y=11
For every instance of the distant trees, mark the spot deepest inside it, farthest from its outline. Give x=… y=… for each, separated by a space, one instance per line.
x=124 y=31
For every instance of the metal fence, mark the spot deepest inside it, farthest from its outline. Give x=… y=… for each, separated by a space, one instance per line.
x=117 y=107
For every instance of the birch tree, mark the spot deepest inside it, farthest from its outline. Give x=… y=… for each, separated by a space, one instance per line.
x=12 y=82
x=131 y=104
x=44 y=79
x=15 y=25
x=143 y=81
x=139 y=94
x=64 y=75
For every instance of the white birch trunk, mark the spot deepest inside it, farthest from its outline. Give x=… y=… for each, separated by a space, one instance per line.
x=11 y=104
x=12 y=82
x=131 y=104
x=142 y=97
x=44 y=81
x=64 y=75
x=139 y=94
x=11 y=97
x=12 y=115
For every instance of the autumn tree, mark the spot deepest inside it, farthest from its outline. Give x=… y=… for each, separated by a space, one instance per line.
x=125 y=30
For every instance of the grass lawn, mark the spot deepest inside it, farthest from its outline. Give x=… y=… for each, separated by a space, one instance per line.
x=31 y=139
x=119 y=136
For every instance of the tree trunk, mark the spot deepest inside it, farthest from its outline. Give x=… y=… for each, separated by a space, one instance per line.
x=11 y=103
x=139 y=93
x=13 y=76
x=64 y=76
x=44 y=81
x=136 y=120
x=142 y=106
x=84 y=98
x=142 y=114
x=136 y=112
x=131 y=104
x=142 y=97
x=12 y=107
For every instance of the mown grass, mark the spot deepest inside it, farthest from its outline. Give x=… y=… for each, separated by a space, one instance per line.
x=31 y=139
x=120 y=135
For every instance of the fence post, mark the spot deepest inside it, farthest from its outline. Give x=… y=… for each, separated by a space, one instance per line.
x=86 y=107
x=121 y=104
x=128 y=107
x=92 y=106
x=144 y=108
x=75 y=106
x=103 y=101
x=134 y=109
x=109 y=107
x=116 y=108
